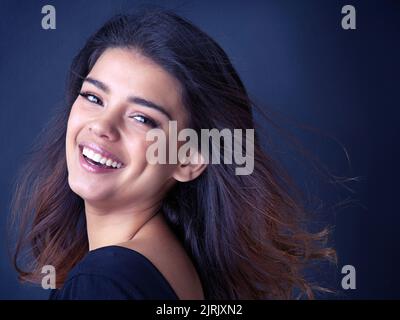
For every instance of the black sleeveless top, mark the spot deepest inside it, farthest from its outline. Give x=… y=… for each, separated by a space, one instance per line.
x=114 y=273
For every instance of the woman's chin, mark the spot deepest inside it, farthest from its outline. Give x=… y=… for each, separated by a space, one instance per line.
x=91 y=193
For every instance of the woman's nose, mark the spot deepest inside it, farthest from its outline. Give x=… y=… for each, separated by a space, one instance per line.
x=106 y=126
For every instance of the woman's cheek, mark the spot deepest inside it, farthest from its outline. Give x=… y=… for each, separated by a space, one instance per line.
x=77 y=117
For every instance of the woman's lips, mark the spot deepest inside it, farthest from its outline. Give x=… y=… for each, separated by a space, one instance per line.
x=103 y=152
x=94 y=168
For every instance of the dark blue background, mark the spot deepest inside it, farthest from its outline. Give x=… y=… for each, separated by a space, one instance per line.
x=292 y=55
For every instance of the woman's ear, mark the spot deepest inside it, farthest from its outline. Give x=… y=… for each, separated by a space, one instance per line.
x=190 y=169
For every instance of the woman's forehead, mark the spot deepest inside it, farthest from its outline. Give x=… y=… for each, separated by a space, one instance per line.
x=127 y=72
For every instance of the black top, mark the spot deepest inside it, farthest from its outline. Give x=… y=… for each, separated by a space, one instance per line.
x=114 y=273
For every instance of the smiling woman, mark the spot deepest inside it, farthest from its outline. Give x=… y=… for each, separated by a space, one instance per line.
x=115 y=226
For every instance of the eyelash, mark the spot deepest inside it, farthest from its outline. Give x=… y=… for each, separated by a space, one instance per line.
x=86 y=95
x=146 y=121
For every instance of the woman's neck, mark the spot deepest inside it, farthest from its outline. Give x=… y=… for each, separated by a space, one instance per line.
x=115 y=227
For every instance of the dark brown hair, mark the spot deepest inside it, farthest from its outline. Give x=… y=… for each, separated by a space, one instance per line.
x=246 y=235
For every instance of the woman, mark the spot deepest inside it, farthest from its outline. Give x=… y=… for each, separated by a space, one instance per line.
x=115 y=226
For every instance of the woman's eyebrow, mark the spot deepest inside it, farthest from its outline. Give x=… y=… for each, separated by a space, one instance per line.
x=132 y=99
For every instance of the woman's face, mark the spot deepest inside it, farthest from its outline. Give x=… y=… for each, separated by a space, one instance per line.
x=111 y=118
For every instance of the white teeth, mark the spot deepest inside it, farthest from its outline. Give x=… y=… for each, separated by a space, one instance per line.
x=85 y=152
x=98 y=158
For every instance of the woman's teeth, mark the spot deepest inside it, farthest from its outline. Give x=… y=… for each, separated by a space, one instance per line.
x=100 y=159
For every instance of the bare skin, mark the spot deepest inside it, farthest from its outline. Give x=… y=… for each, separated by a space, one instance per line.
x=157 y=243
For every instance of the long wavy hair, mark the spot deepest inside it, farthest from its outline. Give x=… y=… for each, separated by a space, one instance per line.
x=246 y=234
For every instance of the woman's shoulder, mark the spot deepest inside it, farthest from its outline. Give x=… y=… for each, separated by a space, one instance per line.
x=171 y=259
x=115 y=272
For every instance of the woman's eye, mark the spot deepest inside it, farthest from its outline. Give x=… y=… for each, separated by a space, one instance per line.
x=146 y=121
x=91 y=98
